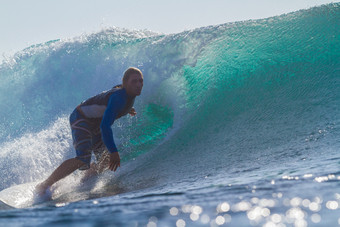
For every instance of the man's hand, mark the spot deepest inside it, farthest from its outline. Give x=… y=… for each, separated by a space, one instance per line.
x=132 y=112
x=114 y=161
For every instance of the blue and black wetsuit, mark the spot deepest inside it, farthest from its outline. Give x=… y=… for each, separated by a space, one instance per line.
x=91 y=123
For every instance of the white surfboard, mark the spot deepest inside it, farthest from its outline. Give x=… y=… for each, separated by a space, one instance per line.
x=18 y=196
x=24 y=196
x=5 y=206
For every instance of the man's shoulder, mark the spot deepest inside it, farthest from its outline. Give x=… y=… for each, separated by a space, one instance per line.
x=104 y=97
x=118 y=96
x=118 y=92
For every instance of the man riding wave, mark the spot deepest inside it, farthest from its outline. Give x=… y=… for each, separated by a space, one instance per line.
x=91 y=123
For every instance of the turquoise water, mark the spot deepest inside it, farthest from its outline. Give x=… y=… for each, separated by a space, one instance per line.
x=238 y=125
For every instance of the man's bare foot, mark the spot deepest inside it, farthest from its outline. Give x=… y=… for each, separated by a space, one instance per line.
x=41 y=188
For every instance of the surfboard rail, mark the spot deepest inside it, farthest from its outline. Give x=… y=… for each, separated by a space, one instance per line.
x=5 y=206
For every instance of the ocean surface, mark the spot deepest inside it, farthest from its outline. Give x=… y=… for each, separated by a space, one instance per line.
x=238 y=125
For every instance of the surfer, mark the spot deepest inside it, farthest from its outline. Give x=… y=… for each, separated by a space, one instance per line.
x=91 y=123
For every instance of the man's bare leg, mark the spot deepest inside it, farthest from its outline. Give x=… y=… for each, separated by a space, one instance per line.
x=65 y=169
x=103 y=163
x=97 y=168
x=92 y=171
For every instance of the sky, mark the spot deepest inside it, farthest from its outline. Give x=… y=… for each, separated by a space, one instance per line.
x=24 y=23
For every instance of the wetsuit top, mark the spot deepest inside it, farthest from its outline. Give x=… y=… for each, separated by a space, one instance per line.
x=103 y=109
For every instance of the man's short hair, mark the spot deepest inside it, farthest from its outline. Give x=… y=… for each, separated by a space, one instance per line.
x=130 y=71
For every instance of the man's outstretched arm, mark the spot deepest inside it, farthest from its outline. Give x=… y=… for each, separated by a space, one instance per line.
x=115 y=104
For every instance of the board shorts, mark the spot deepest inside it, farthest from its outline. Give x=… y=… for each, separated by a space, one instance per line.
x=86 y=139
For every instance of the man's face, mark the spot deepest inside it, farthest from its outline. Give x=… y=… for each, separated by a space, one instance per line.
x=134 y=85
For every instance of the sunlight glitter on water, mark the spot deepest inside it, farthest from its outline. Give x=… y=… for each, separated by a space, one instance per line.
x=298 y=211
